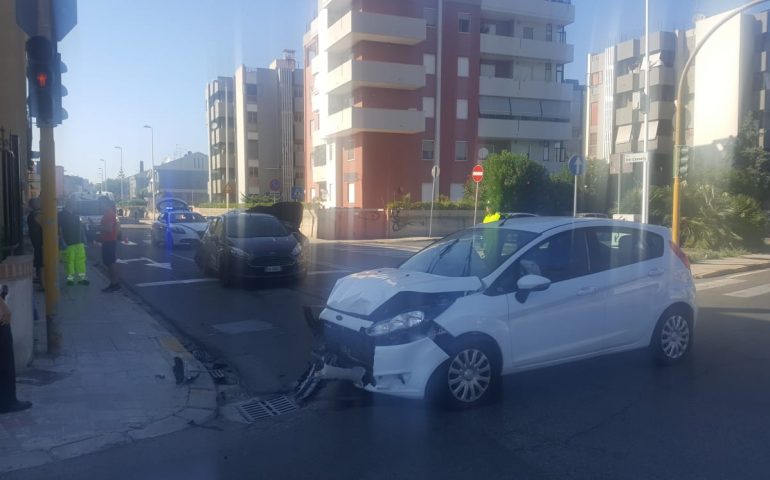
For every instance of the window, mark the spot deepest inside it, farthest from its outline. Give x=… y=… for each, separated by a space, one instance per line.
x=252 y=149
x=461 y=151
x=559 y=73
x=456 y=192
x=462 y=109
x=431 y=17
x=429 y=106
x=314 y=121
x=562 y=257
x=594 y=115
x=251 y=226
x=462 y=66
x=548 y=72
x=349 y=150
x=624 y=134
x=615 y=247
x=528 y=33
x=652 y=130
x=429 y=60
x=253 y=172
x=318 y=156
x=549 y=32
x=427 y=149
x=351 y=193
x=596 y=78
x=546 y=151
x=561 y=34
x=315 y=83
x=251 y=89
x=251 y=117
x=464 y=24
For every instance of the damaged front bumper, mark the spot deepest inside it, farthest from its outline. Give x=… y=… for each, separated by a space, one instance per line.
x=347 y=353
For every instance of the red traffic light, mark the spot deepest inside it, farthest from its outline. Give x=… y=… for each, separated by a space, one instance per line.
x=42 y=79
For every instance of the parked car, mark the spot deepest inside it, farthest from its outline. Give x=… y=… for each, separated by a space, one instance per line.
x=507 y=297
x=89 y=209
x=242 y=245
x=178 y=227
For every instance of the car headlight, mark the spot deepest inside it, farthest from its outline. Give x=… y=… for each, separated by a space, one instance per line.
x=237 y=252
x=399 y=322
x=178 y=230
x=297 y=250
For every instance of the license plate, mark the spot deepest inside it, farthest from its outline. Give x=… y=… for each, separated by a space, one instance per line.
x=273 y=269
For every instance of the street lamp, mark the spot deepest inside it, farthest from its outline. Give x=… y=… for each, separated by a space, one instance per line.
x=152 y=162
x=121 y=175
x=101 y=179
x=679 y=129
x=104 y=183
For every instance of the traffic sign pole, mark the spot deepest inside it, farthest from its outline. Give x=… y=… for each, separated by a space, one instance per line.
x=477 y=175
x=574 y=199
x=435 y=171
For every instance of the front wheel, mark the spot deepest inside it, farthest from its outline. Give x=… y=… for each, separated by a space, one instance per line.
x=672 y=340
x=469 y=378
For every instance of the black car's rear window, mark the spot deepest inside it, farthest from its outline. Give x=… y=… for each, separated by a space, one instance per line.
x=251 y=226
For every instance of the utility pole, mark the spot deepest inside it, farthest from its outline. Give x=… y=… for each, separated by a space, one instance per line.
x=227 y=148
x=120 y=173
x=646 y=113
x=152 y=162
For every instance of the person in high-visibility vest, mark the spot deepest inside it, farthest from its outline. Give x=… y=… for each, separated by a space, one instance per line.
x=491 y=216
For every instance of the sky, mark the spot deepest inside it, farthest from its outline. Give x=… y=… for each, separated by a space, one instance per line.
x=147 y=62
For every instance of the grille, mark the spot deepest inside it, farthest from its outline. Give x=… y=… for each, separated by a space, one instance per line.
x=254 y=410
x=269 y=261
x=354 y=345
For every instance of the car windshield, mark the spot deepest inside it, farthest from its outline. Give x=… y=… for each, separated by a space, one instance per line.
x=254 y=226
x=474 y=252
x=186 y=217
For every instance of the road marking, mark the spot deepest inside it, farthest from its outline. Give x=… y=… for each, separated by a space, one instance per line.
x=128 y=243
x=745 y=274
x=182 y=257
x=722 y=282
x=751 y=292
x=166 y=266
x=176 y=282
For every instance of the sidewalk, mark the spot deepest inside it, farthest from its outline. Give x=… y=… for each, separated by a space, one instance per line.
x=110 y=382
x=726 y=266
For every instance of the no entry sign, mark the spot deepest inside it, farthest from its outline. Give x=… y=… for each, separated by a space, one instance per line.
x=478 y=173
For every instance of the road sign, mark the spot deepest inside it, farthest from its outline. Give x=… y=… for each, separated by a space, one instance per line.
x=635 y=157
x=483 y=153
x=435 y=171
x=577 y=165
x=297 y=194
x=275 y=185
x=478 y=173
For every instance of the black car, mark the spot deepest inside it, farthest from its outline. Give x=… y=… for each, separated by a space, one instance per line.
x=251 y=246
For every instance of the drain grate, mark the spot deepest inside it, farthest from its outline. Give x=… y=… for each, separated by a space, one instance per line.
x=254 y=410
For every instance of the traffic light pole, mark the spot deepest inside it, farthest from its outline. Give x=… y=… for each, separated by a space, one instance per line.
x=679 y=128
x=50 y=221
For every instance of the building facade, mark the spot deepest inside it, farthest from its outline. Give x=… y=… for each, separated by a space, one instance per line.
x=184 y=178
x=394 y=88
x=726 y=85
x=255 y=118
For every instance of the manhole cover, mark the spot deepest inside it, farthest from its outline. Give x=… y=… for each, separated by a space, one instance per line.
x=254 y=410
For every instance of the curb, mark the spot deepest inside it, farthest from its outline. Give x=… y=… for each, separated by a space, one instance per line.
x=729 y=271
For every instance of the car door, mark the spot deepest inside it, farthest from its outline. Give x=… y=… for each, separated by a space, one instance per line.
x=567 y=319
x=630 y=262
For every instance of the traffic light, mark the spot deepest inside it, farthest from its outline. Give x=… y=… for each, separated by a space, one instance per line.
x=44 y=69
x=684 y=160
x=40 y=79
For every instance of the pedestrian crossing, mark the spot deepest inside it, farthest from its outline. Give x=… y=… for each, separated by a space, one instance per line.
x=732 y=284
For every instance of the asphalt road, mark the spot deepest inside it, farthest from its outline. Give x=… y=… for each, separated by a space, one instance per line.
x=616 y=417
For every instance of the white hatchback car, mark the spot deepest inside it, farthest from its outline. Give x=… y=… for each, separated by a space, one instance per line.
x=514 y=295
x=178 y=227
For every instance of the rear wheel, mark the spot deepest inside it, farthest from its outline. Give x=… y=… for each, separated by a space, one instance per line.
x=469 y=378
x=672 y=339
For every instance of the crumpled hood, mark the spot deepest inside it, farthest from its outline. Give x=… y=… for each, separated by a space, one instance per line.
x=362 y=293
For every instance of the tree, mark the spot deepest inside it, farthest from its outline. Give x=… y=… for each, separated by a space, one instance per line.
x=751 y=164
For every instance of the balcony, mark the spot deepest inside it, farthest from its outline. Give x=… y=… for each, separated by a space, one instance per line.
x=524 y=129
x=355 y=27
x=661 y=111
x=507 y=87
x=352 y=120
x=355 y=74
x=626 y=83
x=552 y=11
x=502 y=46
x=626 y=115
x=660 y=76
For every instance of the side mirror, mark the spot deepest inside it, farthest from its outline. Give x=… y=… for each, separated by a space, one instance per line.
x=530 y=283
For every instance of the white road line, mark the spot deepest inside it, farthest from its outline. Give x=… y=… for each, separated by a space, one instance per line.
x=745 y=274
x=751 y=292
x=176 y=282
x=722 y=282
x=182 y=257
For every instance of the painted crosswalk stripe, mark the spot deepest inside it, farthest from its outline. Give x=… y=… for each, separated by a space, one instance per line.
x=176 y=282
x=751 y=292
x=722 y=282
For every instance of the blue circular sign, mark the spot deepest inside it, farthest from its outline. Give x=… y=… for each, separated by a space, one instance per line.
x=275 y=185
x=577 y=165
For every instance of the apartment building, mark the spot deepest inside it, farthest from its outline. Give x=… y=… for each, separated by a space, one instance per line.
x=256 y=139
x=396 y=87
x=727 y=83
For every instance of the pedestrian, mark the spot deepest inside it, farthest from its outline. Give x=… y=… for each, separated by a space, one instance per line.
x=8 y=401
x=35 y=230
x=110 y=232
x=74 y=238
x=491 y=215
